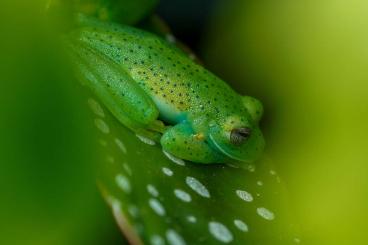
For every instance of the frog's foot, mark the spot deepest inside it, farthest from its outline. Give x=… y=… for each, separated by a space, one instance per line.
x=181 y=142
x=152 y=133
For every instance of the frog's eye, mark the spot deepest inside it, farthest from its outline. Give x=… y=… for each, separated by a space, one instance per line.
x=239 y=135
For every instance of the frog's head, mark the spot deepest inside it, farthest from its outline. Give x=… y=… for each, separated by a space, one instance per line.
x=239 y=136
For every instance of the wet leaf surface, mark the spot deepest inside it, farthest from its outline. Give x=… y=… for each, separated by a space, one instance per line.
x=157 y=199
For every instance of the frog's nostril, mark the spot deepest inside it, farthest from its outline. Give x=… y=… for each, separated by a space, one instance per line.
x=239 y=135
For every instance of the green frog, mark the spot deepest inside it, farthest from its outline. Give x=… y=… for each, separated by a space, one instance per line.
x=158 y=91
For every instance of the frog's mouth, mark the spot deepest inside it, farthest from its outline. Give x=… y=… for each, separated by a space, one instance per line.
x=247 y=152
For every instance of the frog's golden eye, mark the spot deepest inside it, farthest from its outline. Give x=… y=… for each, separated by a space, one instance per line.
x=239 y=135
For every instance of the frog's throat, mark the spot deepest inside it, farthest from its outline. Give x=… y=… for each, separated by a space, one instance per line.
x=168 y=113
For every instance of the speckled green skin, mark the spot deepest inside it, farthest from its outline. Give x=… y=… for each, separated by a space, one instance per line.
x=142 y=79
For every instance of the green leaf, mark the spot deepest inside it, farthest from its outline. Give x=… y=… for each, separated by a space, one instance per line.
x=158 y=199
x=122 y=11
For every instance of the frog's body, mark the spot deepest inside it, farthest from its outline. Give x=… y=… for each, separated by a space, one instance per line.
x=150 y=79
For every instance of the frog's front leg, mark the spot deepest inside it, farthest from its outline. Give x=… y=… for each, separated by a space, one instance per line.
x=118 y=91
x=183 y=143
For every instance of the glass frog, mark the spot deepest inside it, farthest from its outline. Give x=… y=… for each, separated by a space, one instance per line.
x=157 y=91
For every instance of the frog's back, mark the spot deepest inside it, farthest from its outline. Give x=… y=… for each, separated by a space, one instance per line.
x=177 y=85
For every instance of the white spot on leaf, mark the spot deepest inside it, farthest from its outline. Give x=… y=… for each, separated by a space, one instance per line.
x=220 y=232
x=182 y=195
x=157 y=207
x=96 y=108
x=157 y=240
x=251 y=168
x=174 y=238
x=152 y=190
x=167 y=171
x=123 y=183
x=265 y=213
x=197 y=186
x=192 y=219
x=174 y=159
x=244 y=195
x=241 y=225
x=296 y=240
x=121 y=145
x=102 y=126
x=145 y=140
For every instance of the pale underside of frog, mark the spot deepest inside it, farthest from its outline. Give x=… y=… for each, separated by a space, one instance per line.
x=157 y=91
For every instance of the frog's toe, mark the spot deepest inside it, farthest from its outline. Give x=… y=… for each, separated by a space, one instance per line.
x=157 y=126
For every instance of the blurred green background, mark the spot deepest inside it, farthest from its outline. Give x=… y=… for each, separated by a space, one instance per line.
x=306 y=60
